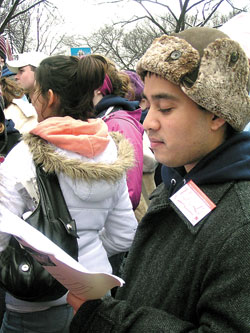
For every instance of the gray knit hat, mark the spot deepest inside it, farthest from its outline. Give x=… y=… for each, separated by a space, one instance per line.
x=210 y=68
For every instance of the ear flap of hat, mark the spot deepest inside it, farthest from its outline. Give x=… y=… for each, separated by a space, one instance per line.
x=199 y=39
x=169 y=57
x=221 y=85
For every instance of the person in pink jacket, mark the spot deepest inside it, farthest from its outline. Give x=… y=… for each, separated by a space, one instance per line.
x=120 y=114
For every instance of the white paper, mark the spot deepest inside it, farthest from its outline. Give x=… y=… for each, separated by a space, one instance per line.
x=77 y=279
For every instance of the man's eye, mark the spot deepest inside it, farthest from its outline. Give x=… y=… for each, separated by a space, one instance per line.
x=165 y=110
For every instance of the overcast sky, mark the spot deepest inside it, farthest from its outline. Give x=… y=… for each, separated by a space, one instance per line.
x=84 y=17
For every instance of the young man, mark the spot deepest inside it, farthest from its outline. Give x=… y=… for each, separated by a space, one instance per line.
x=21 y=110
x=25 y=67
x=189 y=267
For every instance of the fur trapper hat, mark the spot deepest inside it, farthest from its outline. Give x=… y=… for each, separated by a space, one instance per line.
x=210 y=68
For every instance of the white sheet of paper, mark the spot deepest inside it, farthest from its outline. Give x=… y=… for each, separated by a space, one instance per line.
x=70 y=273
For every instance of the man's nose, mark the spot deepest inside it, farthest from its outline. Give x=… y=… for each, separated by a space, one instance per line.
x=151 y=122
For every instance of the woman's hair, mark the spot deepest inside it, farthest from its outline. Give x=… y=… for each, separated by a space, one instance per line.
x=137 y=86
x=10 y=90
x=120 y=80
x=73 y=80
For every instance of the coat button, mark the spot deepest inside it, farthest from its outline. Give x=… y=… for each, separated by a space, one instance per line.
x=173 y=181
x=25 y=267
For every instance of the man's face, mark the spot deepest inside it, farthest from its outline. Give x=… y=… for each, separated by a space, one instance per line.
x=179 y=131
x=26 y=78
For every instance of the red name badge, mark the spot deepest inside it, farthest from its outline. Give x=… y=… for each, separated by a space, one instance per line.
x=192 y=202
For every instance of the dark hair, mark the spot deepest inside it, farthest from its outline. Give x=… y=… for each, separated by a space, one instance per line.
x=120 y=81
x=229 y=130
x=73 y=80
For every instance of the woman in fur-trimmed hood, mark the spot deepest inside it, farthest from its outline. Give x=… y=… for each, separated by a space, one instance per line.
x=91 y=166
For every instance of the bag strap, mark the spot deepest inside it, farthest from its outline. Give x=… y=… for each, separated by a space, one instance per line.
x=109 y=110
x=52 y=200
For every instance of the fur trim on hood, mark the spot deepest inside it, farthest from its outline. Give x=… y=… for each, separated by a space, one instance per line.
x=44 y=153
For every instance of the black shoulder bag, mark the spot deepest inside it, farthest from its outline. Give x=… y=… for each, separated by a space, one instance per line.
x=20 y=274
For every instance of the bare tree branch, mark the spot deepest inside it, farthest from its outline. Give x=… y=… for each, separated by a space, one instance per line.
x=11 y=13
x=126 y=48
x=9 y=16
x=28 y=8
x=207 y=9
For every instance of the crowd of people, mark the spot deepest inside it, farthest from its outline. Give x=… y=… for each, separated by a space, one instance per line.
x=154 y=166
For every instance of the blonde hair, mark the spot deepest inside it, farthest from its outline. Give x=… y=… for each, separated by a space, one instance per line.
x=10 y=90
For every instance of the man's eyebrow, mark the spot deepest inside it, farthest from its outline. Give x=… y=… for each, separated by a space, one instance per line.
x=161 y=96
x=165 y=96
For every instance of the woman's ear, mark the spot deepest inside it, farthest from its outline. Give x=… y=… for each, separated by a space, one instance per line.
x=97 y=96
x=97 y=92
x=51 y=97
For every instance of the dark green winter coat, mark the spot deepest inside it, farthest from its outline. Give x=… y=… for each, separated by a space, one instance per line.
x=184 y=278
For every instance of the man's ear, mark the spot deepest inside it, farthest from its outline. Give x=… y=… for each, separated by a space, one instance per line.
x=216 y=122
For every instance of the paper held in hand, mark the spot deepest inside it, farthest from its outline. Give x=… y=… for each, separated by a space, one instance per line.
x=78 y=280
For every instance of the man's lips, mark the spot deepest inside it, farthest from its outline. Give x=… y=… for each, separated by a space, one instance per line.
x=154 y=142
